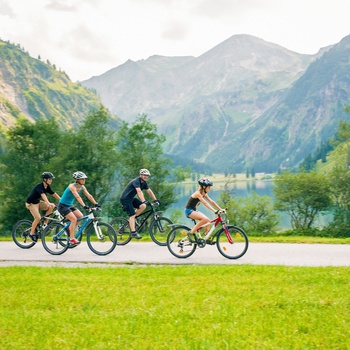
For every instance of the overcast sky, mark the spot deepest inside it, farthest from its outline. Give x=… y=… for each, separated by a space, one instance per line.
x=86 y=38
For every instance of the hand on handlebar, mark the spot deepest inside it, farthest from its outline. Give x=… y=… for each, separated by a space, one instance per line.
x=156 y=202
x=220 y=211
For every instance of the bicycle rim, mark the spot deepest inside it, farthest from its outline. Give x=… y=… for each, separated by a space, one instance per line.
x=122 y=230
x=159 y=230
x=20 y=234
x=239 y=245
x=103 y=241
x=55 y=238
x=179 y=244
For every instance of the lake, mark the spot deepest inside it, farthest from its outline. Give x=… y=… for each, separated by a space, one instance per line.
x=242 y=189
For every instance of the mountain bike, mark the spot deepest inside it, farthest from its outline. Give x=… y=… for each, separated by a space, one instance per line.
x=159 y=226
x=100 y=236
x=231 y=241
x=21 y=230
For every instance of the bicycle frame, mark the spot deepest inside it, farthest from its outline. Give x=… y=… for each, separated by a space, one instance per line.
x=143 y=217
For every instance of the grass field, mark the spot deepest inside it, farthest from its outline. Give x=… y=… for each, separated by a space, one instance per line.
x=182 y=307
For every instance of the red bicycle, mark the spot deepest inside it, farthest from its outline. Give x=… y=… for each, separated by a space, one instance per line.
x=231 y=241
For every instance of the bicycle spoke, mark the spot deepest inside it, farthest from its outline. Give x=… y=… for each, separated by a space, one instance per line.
x=20 y=234
x=55 y=238
x=159 y=230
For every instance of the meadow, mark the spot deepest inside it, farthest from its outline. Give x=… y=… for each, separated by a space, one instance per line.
x=175 y=307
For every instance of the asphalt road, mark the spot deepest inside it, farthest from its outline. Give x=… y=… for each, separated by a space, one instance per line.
x=138 y=253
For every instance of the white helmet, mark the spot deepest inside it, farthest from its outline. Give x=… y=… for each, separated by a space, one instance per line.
x=79 y=175
x=145 y=172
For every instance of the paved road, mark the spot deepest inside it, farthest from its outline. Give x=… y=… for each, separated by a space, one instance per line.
x=150 y=253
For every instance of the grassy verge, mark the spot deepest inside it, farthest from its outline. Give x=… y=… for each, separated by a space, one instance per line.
x=183 y=307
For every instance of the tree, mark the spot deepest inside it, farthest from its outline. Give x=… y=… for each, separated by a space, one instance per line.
x=29 y=149
x=139 y=145
x=302 y=196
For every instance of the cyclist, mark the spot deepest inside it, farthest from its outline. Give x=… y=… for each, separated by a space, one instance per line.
x=65 y=206
x=37 y=200
x=200 y=196
x=130 y=202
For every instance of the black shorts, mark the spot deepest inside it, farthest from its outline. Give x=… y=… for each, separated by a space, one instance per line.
x=128 y=206
x=65 y=209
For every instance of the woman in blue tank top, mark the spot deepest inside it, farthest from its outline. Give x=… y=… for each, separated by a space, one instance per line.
x=71 y=193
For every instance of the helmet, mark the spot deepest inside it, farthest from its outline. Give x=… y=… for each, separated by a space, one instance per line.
x=205 y=182
x=79 y=175
x=145 y=172
x=47 y=175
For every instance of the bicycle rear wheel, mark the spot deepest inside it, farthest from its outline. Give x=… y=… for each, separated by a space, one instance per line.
x=20 y=234
x=122 y=229
x=103 y=241
x=239 y=245
x=55 y=238
x=179 y=244
x=159 y=230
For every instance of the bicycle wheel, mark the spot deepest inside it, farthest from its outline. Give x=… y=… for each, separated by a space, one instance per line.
x=103 y=241
x=20 y=234
x=159 y=230
x=55 y=238
x=179 y=244
x=122 y=229
x=239 y=244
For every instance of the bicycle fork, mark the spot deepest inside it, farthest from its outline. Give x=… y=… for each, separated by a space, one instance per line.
x=98 y=230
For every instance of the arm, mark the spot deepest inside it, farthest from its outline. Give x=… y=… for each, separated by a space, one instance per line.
x=212 y=202
x=140 y=194
x=76 y=194
x=89 y=196
x=55 y=195
x=45 y=199
x=150 y=192
x=202 y=200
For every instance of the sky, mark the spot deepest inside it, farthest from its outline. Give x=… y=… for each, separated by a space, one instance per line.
x=86 y=38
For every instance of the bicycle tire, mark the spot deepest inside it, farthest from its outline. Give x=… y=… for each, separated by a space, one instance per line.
x=239 y=245
x=178 y=242
x=104 y=242
x=20 y=234
x=159 y=230
x=122 y=229
x=55 y=238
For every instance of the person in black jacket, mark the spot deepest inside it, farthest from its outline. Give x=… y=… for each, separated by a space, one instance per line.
x=130 y=202
x=37 y=200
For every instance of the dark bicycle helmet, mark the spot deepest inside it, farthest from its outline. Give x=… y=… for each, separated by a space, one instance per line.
x=47 y=175
x=205 y=182
x=79 y=175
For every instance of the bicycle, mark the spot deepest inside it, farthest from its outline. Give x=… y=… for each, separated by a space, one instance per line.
x=231 y=241
x=159 y=226
x=100 y=236
x=21 y=230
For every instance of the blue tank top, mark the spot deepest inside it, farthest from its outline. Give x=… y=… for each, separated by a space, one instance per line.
x=67 y=197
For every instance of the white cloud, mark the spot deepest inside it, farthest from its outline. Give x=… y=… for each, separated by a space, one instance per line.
x=88 y=37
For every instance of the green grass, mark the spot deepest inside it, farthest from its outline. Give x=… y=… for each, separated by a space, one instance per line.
x=182 y=307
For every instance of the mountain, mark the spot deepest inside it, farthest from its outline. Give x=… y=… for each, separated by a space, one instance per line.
x=223 y=107
x=33 y=89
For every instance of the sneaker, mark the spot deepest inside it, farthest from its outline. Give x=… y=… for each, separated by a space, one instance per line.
x=135 y=235
x=34 y=237
x=74 y=241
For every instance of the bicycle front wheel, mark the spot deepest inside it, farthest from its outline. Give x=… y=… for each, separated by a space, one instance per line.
x=179 y=244
x=239 y=242
x=55 y=238
x=122 y=229
x=20 y=234
x=159 y=230
x=101 y=239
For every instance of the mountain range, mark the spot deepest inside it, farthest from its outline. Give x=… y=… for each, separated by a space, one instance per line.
x=244 y=104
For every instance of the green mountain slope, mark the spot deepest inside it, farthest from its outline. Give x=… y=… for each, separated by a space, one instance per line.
x=34 y=89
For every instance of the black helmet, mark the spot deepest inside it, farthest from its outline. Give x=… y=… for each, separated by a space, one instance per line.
x=47 y=175
x=205 y=182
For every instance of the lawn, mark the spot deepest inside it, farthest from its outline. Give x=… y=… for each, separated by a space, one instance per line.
x=180 y=307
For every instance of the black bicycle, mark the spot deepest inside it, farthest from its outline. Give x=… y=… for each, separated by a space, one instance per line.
x=21 y=230
x=159 y=226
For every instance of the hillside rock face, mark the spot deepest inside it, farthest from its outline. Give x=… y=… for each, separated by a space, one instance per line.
x=246 y=103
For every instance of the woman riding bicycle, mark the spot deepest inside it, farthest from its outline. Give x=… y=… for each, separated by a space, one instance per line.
x=65 y=206
x=200 y=196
